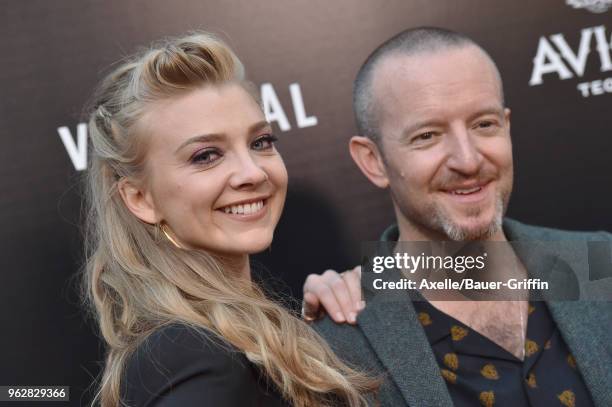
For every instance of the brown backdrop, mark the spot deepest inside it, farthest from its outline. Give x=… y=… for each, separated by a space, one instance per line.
x=54 y=52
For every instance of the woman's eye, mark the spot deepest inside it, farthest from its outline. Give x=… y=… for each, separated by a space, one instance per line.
x=206 y=157
x=264 y=143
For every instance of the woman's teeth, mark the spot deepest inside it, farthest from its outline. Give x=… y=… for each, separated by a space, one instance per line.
x=244 y=209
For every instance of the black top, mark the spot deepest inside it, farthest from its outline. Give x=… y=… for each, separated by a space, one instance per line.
x=479 y=372
x=179 y=366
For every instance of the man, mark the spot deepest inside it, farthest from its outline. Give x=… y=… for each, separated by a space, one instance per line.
x=433 y=129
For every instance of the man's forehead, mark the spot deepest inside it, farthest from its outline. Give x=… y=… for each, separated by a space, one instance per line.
x=422 y=79
x=463 y=60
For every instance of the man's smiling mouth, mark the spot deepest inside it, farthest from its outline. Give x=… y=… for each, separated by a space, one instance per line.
x=466 y=191
x=469 y=192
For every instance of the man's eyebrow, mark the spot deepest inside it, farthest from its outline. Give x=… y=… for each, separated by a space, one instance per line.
x=494 y=110
x=202 y=138
x=407 y=132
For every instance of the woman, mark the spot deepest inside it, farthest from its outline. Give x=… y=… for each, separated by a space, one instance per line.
x=184 y=183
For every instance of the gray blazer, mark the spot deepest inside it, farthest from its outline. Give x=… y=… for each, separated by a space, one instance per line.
x=389 y=340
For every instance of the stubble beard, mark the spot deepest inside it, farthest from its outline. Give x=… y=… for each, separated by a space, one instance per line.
x=461 y=233
x=435 y=218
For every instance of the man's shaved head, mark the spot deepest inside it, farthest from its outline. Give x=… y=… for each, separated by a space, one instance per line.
x=411 y=42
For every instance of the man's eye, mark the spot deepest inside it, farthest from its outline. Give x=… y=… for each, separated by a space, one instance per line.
x=485 y=124
x=206 y=157
x=264 y=143
x=425 y=136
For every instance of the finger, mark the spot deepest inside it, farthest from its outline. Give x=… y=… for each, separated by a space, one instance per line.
x=310 y=306
x=329 y=302
x=317 y=291
x=352 y=279
x=361 y=303
x=343 y=296
x=332 y=293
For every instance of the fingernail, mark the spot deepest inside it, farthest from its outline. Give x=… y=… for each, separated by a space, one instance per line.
x=361 y=305
x=352 y=318
x=340 y=317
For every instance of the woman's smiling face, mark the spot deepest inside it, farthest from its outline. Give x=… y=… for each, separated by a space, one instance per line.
x=212 y=173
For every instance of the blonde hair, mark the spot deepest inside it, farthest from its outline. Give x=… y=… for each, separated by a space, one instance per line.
x=136 y=282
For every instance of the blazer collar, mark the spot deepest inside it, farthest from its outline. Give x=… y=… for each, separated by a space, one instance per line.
x=392 y=327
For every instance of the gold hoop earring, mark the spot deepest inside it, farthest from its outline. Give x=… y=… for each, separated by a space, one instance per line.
x=162 y=227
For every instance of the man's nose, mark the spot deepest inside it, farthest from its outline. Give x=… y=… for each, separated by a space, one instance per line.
x=464 y=155
x=247 y=172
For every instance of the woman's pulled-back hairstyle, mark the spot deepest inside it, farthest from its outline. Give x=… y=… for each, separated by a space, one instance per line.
x=137 y=282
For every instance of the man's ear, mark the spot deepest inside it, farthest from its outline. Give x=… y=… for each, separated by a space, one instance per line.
x=368 y=158
x=507 y=118
x=138 y=201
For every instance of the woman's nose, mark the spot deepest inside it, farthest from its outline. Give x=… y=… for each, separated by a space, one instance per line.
x=247 y=172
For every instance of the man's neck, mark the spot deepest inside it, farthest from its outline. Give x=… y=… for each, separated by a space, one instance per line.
x=503 y=322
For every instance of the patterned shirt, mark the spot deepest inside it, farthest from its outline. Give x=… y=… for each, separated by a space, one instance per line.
x=477 y=371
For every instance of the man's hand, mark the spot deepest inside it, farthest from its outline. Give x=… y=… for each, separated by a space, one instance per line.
x=337 y=294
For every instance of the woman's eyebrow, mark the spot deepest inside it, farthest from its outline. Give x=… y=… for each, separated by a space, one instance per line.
x=201 y=138
x=259 y=126
x=220 y=136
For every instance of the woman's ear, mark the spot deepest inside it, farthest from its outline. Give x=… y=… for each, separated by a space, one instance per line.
x=368 y=158
x=138 y=201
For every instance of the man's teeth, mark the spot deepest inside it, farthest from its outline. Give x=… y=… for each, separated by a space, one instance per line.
x=244 y=209
x=466 y=191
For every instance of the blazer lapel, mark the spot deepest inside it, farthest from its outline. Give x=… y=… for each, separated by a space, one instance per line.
x=584 y=325
x=585 y=328
x=587 y=336
x=392 y=327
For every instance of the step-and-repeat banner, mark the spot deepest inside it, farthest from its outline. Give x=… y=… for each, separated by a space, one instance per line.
x=555 y=57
